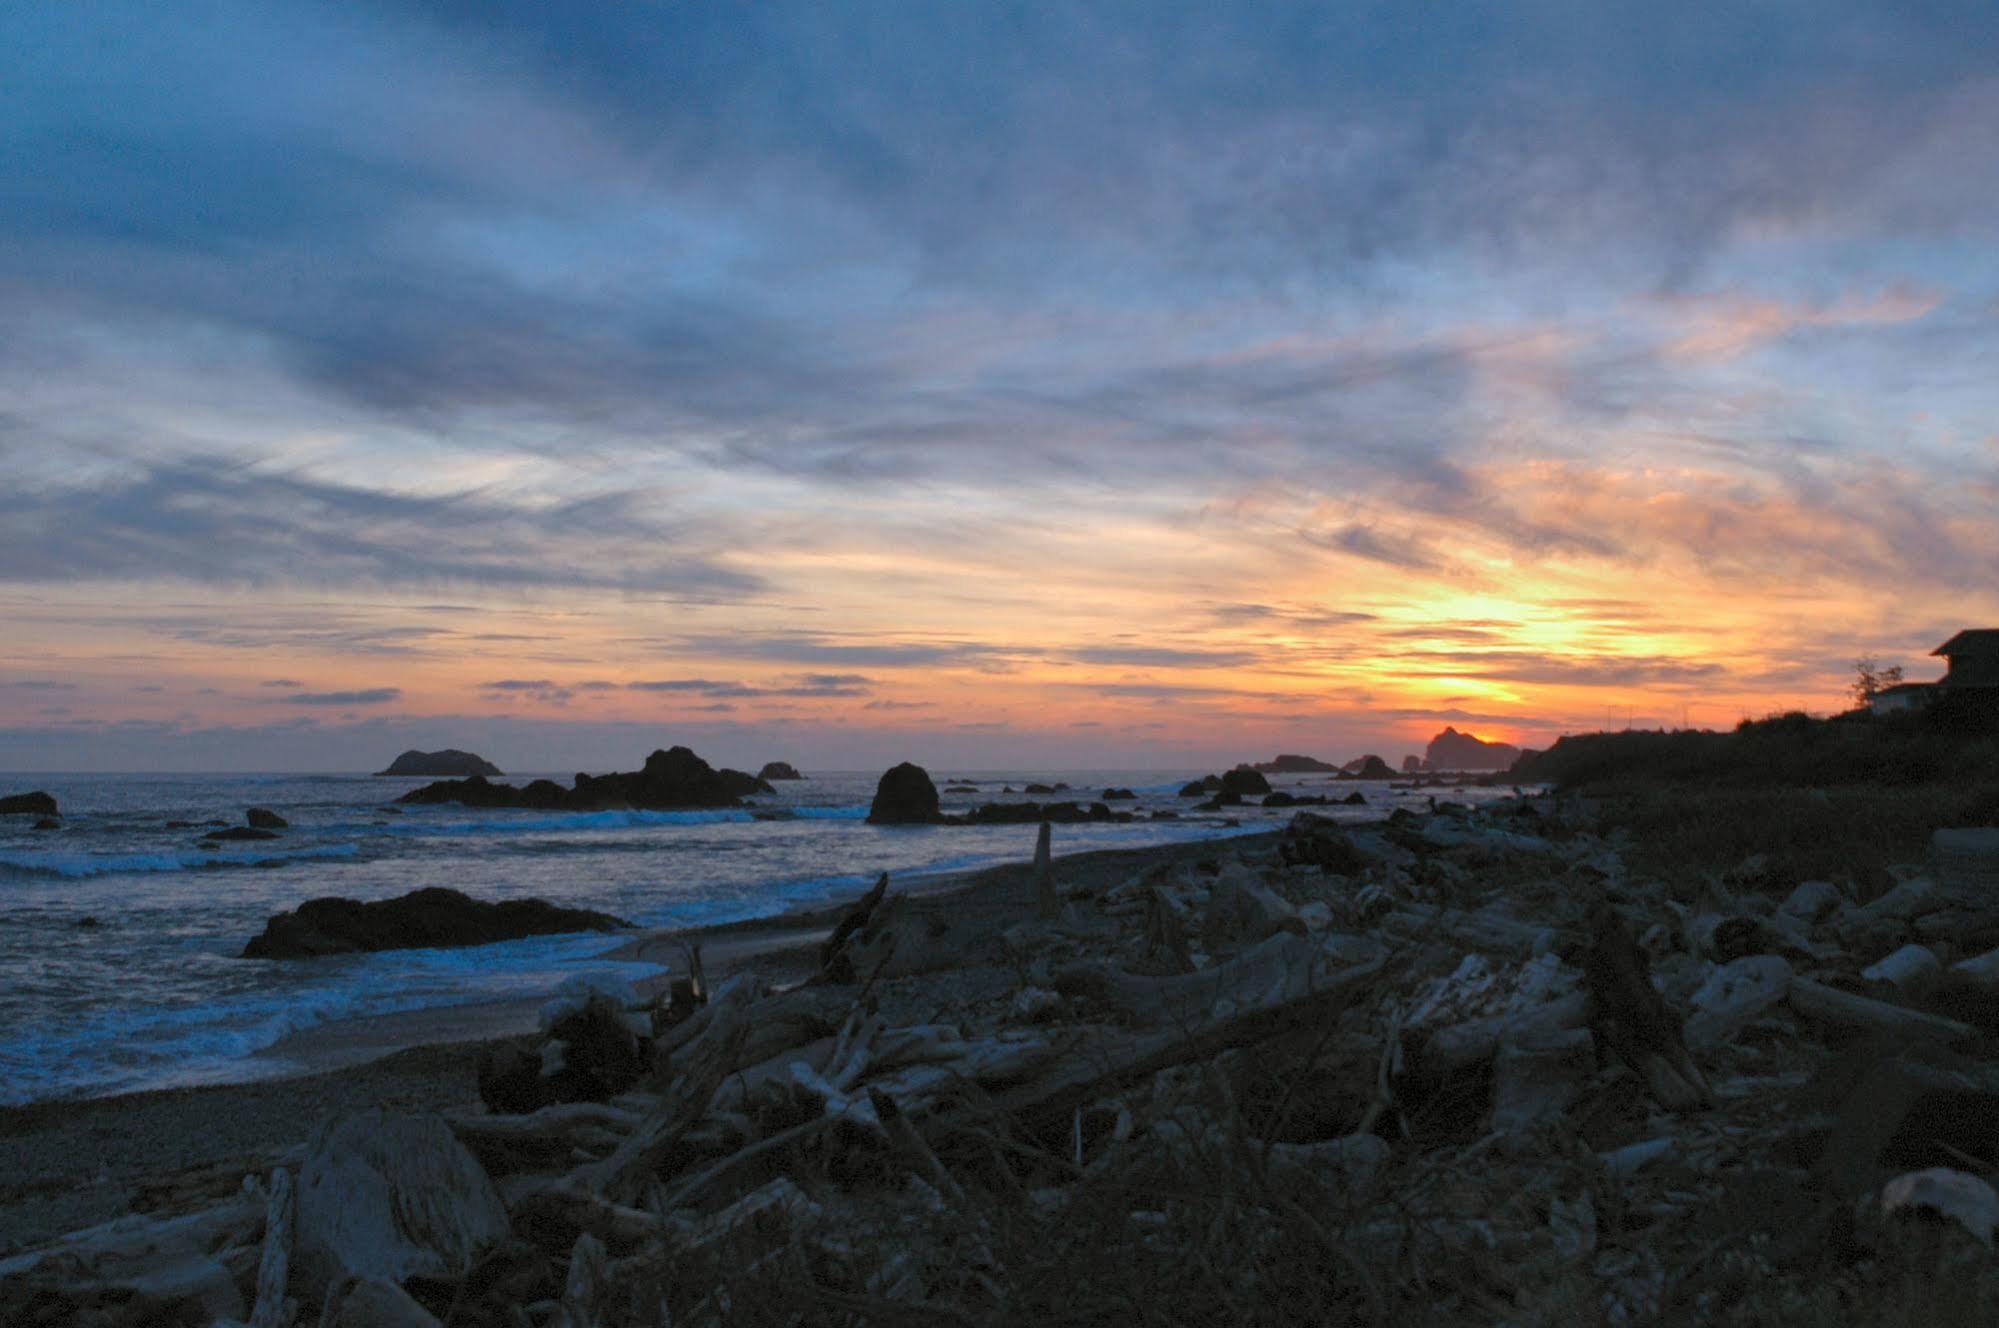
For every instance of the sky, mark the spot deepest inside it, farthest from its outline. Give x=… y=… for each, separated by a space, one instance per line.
x=1075 y=385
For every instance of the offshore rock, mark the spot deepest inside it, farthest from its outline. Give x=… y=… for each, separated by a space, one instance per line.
x=672 y=778
x=779 y=770
x=905 y=796
x=423 y=919
x=447 y=764
x=29 y=804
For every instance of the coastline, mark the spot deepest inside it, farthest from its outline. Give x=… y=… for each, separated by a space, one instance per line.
x=73 y=1162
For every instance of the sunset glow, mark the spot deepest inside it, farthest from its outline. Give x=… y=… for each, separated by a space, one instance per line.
x=1115 y=390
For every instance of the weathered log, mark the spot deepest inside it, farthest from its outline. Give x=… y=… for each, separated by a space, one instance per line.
x=583 y=1289
x=1046 y=904
x=1733 y=995
x=1630 y=1020
x=564 y=1211
x=623 y=1175
x=1872 y=1018
x=1285 y=984
x=1909 y=969
x=271 y=1309
x=1281 y=968
x=834 y=966
x=1166 y=931
x=509 y=1143
x=393 y=1197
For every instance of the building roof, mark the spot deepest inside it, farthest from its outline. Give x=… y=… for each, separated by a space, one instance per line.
x=1971 y=641
x=1903 y=689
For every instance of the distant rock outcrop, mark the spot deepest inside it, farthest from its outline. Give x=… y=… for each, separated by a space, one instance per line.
x=1289 y=763
x=1202 y=787
x=447 y=764
x=1033 y=813
x=905 y=796
x=1411 y=764
x=424 y=919
x=29 y=804
x=1452 y=750
x=672 y=778
x=1368 y=767
x=779 y=770
x=261 y=818
x=1244 y=780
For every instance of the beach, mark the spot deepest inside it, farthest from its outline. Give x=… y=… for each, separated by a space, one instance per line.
x=69 y=1164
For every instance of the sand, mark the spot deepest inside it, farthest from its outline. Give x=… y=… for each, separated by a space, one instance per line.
x=71 y=1164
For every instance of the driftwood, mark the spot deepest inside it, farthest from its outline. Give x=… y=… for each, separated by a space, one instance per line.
x=1045 y=902
x=622 y=1176
x=1282 y=968
x=1630 y=1020
x=271 y=1309
x=1284 y=984
x=834 y=964
x=1872 y=1018
x=1166 y=931
x=583 y=1290
x=553 y=1134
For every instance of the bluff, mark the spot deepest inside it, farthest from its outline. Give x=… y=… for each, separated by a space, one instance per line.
x=1452 y=750
x=672 y=778
x=447 y=764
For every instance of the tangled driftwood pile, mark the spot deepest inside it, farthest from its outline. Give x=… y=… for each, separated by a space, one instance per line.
x=1460 y=1067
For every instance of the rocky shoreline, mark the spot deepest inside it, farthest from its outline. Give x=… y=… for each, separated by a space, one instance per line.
x=1468 y=1067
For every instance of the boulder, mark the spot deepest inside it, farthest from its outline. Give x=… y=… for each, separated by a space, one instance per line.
x=779 y=770
x=48 y=823
x=423 y=919
x=905 y=796
x=447 y=764
x=1368 y=767
x=29 y=804
x=672 y=778
x=1119 y=795
x=260 y=818
x=392 y=1197
x=1243 y=781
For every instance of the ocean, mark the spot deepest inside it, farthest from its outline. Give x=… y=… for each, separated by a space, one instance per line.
x=154 y=995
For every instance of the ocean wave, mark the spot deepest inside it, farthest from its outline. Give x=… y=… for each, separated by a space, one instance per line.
x=108 y=864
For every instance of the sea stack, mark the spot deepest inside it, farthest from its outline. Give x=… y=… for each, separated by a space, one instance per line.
x=29 y=804
x=447 y=764
x=905 y=796
x=779 y=770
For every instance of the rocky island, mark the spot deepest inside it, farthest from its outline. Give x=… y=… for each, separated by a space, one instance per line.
x=779 y=770
x=674 y=778
x=423 y=919
x=447 y=764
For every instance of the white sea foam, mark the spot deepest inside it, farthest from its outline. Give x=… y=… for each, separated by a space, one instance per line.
x=78 y=865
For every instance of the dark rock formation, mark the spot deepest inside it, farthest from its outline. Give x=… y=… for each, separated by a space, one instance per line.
x=447 y=764
x=1452 y=750
x=673 y=778
x=1119 y=795
x=1243 y=781
x=960 y=788
x=1411 y=764
x=239 y=832
x=423 y=919
x=779 y=770
x=1291 y=764
x=1045 y=789
x=48 y=823
x=263 y=819
x=29 y=804
x=1368 y=767
x=905 y=796
x=1354 y=799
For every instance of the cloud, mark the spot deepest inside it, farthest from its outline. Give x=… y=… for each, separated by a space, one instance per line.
x=804 y=684
x=281 y=682
x=364 y=696
x=1163 y=657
